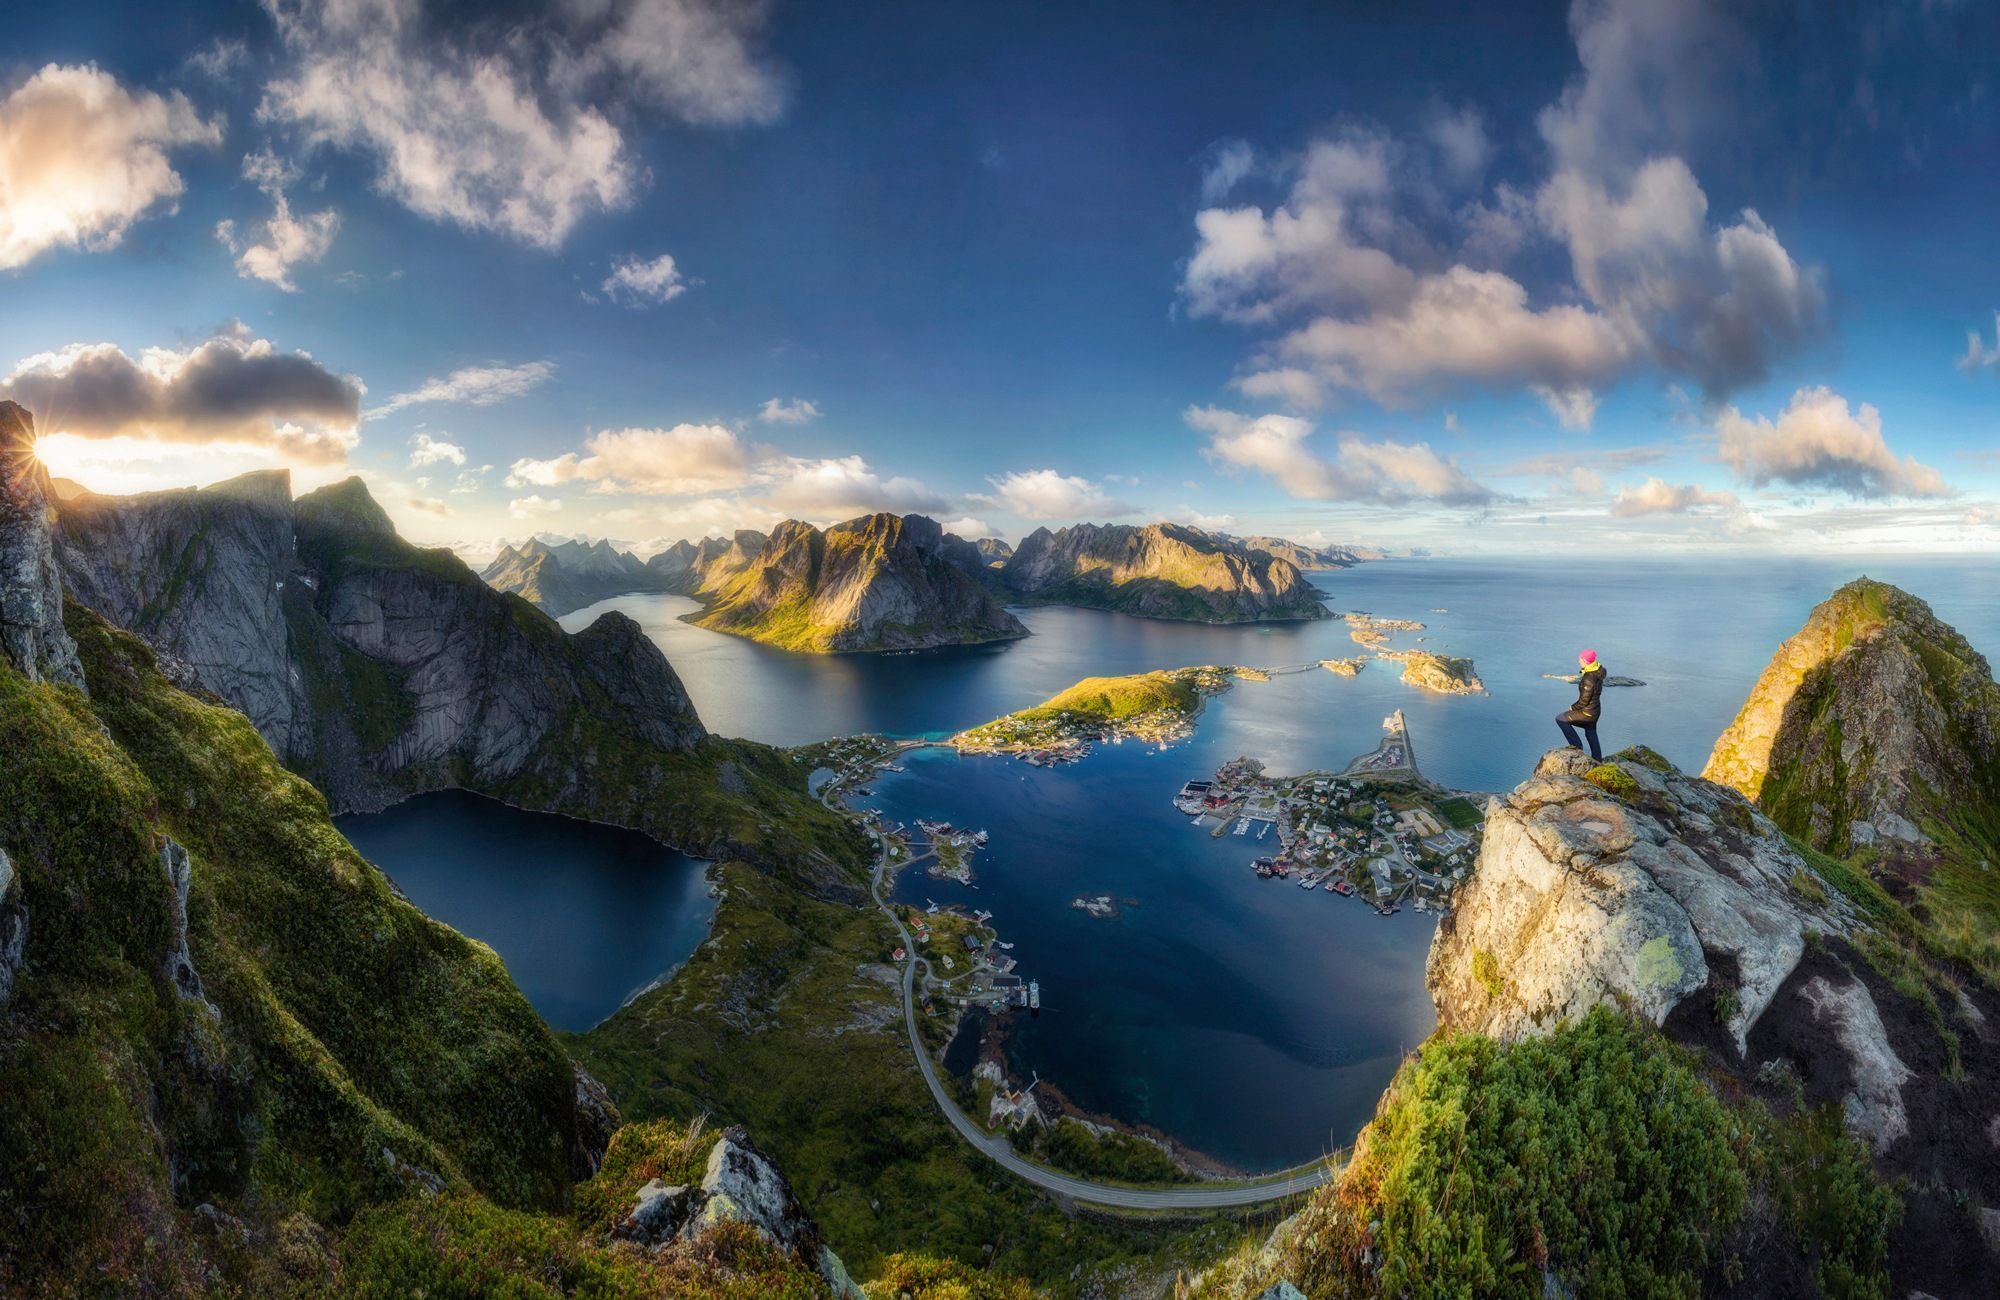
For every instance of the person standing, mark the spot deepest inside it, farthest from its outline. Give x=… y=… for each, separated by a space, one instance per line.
x=1584 y=713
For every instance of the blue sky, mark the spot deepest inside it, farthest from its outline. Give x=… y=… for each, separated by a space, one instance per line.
x=1467 y=277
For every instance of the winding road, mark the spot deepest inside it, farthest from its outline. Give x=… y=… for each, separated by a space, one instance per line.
x=1204 y=1196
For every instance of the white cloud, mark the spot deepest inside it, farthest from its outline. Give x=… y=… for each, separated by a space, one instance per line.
x=473 y=385
x=82 y=158
x=685 y=460
x=512 y=128
x=232 y=388
x=638 y=283
x=842 y=488
x=429 y=505
x=287 y=241
x=1817 y=442
x=1386 y=471
x=1228 y=162
x=1187 y=514
x=796 y=411
x=1656 y=496
x=470 y=481
x=1978 y=356
x=1381 y=288
x=969 y=528
x=1046 y=494
x=533 y=507
x=426 y=450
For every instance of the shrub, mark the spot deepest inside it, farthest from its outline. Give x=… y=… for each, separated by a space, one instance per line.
x=1596 y=1154
x=1612 y=779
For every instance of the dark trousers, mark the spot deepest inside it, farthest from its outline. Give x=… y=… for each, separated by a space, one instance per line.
x=1589 y=725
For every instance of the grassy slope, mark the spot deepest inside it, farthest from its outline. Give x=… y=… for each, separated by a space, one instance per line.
x=773 y=1025
x=1113 y=699
x=349 y=1022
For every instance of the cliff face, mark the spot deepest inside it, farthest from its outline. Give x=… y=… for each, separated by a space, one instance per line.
x=32 y=638
x=1585 y=895
x=1158 y=571
x=878 y=583
x=1873 y=725
x=372 y=666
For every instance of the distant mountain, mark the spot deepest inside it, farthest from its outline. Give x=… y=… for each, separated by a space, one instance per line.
x=568 y=575
x=1158 y=571
x=882 y=582
x=994 y=550
x=701 y=568
x=1311 y=558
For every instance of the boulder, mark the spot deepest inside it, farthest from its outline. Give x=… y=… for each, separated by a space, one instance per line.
x=13 y=928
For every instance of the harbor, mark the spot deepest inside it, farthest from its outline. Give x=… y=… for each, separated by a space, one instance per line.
x=1375 y=831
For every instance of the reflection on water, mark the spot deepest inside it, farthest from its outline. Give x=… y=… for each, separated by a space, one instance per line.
x=582 y=914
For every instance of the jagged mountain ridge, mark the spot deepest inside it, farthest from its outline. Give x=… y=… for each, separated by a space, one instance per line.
x=569 y=575
x=1158 y=571
x=881 y=582
x=1308 y=559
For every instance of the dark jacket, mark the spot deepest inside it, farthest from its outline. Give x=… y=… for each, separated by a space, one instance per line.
x=1589 y=688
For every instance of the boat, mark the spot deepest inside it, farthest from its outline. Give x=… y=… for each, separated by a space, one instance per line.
x=1034 y=995
x=1242 y=825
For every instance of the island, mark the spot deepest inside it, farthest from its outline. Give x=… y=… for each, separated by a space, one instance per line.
x=881 y=582
x=1436 y=672
x=1156 y=707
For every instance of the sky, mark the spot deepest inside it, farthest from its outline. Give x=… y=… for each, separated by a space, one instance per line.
x=1618 y=275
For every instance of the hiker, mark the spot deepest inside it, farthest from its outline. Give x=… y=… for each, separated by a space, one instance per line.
x=1589 y=687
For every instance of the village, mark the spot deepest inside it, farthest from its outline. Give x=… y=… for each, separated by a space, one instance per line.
x=1376 y=831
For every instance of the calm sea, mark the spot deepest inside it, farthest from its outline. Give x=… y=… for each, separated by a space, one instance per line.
x=1253 y=1020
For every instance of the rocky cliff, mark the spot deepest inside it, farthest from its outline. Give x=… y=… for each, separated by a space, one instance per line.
x=1876 y=725
x=31 y=628
x=378 y=669
x=1158 y=571
x=882 y=582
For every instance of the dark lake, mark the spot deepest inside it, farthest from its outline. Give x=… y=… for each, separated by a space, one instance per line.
x=582 y=914
x=1253 y=1020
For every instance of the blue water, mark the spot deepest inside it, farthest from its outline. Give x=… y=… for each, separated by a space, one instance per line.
x=1253 y=1020
x=582 y=914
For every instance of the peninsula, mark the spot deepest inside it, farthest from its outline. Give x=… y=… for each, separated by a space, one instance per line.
x=1156 y=707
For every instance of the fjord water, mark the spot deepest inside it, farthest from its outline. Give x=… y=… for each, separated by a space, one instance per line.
x=1253 y=1020
x=582 y=914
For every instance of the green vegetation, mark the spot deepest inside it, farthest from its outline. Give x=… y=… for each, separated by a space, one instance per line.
x=787 y=1021
x=1612 y=779
x=1108 y=1157
x=1116 y=699
x=922 y=1277
x=1487 y=971
x=1459 y=813
x=350 y=1029
x=1827 y=1197
x=1596 y=1154
x=1644 y=756
x=1155 y=705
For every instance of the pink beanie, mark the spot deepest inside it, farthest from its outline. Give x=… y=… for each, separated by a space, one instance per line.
x=1588 y=656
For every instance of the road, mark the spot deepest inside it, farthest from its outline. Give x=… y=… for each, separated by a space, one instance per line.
x=1200 y=1197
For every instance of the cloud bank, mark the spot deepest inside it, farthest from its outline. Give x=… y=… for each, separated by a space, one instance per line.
x=1383 y=471
x=1816 y=442
x=232 y=388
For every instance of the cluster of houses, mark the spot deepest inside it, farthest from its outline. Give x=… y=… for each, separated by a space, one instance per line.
x=978 y=957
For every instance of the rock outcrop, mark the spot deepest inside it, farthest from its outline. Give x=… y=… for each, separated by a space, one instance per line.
x=31 y=627
x=1158 y=571
x=1623 y=883
x=1440 y=673
x=742 y=1185
x=13 y=928
x=881 y=582
x=1874 y=720
x=567 y=576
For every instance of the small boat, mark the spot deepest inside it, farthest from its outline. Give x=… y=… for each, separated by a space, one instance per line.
x=1034 y=995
